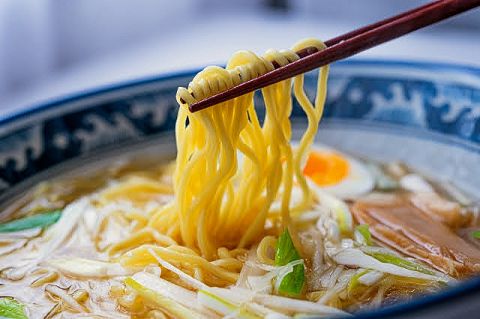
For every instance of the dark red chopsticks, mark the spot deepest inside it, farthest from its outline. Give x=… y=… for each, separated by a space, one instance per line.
x=347 y=45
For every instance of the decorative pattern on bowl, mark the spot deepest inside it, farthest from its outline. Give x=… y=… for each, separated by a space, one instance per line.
x=438 y=98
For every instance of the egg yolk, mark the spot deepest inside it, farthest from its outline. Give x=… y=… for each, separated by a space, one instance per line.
x=326 y=168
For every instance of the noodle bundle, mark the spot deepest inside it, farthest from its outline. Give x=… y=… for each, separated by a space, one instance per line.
x=232 y=208
x=230 y=167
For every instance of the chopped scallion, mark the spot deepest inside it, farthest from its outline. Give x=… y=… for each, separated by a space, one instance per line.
x=364 y=231
x=401 y=262
x=12 y=309
x=476 y=234
x=154 y=298
x=291 y=284
x=39 y=220
x=355 y=280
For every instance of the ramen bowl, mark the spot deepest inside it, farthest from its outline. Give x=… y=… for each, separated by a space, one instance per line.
x=426 y=115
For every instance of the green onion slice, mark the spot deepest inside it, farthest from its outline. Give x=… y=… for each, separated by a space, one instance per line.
x=39 y=220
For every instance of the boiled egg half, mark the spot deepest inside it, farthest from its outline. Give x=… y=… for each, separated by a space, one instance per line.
x=337 y=173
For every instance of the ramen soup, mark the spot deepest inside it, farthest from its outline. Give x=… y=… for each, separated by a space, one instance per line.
x=244 y=223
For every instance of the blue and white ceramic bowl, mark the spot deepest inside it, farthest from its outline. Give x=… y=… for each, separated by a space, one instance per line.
x=427 y=115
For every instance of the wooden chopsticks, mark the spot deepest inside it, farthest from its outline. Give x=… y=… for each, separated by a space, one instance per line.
x=347 y=45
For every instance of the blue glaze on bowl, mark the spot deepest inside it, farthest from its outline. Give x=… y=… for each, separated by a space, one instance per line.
x=426 y=114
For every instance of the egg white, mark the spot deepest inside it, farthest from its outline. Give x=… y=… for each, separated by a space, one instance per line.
x=359 y=181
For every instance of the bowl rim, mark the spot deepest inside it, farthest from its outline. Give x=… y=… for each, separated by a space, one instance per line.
x=56 y=101
x=422 y=303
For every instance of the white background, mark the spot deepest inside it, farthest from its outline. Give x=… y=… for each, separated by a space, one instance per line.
x=49 y=48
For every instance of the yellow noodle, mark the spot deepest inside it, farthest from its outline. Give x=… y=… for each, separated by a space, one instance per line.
x=268 y=244
x=228 y=263
x=232 y=208
x=230 y=167
x=146 y=235
x=136 y=189
x=141 y=257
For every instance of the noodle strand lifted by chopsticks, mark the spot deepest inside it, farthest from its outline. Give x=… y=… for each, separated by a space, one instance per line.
x=231 y=166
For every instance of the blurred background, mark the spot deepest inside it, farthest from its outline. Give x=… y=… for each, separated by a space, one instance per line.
x=49 y=48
